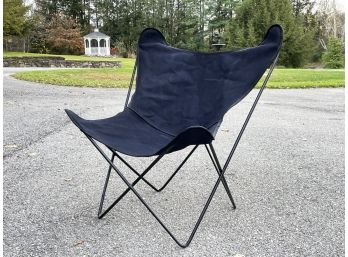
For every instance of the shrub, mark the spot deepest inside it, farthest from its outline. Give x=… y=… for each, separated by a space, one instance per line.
x=64 y=36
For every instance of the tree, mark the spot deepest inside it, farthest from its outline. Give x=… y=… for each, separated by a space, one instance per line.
x=334 y=56
x=38 y=35
x=220 y=13
x=181 y=21
x=302 y=7
x=254 y=17
x=79 y=10
x=15 y=18
x=64 y=36
x=16 y=25
x=330 y=22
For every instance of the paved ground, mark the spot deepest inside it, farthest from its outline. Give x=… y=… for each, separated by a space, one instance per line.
x=287 y=178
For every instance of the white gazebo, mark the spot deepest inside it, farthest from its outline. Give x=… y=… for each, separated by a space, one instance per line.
x=97 y=43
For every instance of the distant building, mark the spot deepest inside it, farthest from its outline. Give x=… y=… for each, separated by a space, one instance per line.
x=97 y=43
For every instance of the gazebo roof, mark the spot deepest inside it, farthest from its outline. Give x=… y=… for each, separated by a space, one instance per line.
x=96 y=34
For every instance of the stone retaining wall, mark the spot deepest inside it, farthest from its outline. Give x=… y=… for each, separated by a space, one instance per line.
x=56 y=62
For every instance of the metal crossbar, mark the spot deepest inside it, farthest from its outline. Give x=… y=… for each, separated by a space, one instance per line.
x=212 y=155
x=140 y=177
x=147 y=182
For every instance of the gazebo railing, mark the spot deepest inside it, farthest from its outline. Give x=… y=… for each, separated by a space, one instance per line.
x=102 y=51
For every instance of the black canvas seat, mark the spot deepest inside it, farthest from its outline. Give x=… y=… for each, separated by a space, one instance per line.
x=125 y=132
x=180 y=100
x=129 y=134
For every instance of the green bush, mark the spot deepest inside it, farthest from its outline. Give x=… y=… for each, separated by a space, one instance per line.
x=333 y=58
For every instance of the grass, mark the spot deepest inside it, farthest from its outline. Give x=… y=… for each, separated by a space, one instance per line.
x=125 y=61
x=119 y=77
x=103 y=77
x=305 y=78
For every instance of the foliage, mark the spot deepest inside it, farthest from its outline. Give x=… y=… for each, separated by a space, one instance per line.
x=180 y=21
x=334 y=56
x=255 y=16
x=64 y=35
x=15 y=20
x=38 y=36
x=220 y=12
x=78 y=10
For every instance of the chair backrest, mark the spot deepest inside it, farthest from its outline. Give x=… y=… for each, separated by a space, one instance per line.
x=177 y=88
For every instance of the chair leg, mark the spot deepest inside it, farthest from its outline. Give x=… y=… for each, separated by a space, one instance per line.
x=105 y=187
x=217 y=166
x=131 y=187
x=170 y=178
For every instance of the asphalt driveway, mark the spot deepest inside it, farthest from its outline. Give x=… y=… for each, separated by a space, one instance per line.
x=287 y=178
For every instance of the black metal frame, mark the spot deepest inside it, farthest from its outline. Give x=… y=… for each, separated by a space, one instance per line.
x=212 y=155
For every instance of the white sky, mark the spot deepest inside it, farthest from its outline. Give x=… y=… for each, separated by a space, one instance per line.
x=340 y=4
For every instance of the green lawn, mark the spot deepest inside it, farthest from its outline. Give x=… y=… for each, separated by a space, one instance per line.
x=67 y=57
x=119 y=77
x=103 y=77
x=125 y=61
x=305 y=78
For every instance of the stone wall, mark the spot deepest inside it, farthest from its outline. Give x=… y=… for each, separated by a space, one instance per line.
x=56 y=62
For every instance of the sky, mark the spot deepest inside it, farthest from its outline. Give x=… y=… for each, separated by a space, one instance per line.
x=340 y=4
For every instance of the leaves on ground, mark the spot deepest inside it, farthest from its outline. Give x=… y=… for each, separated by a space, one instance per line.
x=11 y=146
x=78 y=242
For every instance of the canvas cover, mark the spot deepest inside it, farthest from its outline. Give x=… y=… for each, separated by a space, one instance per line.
x=177 y=89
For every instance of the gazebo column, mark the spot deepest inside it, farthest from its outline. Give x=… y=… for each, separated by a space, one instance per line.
x=90 y=47
x=98 y=46
x=107 y=47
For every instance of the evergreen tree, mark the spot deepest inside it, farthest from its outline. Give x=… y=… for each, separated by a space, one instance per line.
x=38 y=36
x=78 y=10
x=220 y=12
x=303 y=7
x=255 y=16
x=334 y=56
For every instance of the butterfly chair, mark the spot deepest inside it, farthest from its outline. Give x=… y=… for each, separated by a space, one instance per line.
x=180 y=100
